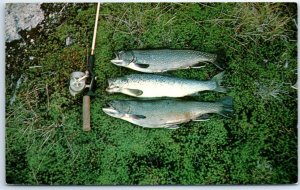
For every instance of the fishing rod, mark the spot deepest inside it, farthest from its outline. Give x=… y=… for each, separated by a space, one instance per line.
x=86 y=80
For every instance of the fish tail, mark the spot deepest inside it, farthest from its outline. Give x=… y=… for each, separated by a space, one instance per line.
x=214 y=59
x=218 y=79
x=226 y=106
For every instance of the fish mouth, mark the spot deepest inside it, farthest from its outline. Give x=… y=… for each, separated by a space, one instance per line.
x=111 y=111
x=117 y=61
x=111 y=86
x=109 y=90
x=117 y=55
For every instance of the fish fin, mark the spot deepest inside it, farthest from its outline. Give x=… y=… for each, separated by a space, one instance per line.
x=217 y=65
x=132 y=92
x=214 y=59
x=199 y=65
x=211 y=58
x=133 y=116
x=141 y=65
x=218 y=79
x=204 y=117
x=137 y=64
x=172 y=127
x=227 y=106
x=194 y=94
x=220 y=59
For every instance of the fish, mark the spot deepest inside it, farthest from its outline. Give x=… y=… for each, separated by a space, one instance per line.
x=162 y=60
x=155 y=86
x=167 y=113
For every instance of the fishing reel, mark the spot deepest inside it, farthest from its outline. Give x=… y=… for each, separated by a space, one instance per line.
x=78 y=82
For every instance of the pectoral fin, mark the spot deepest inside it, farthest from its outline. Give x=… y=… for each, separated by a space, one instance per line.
x=141 y=65
x=172 y=127
x=204 y=117
x=199 y=65
x=132 y=92
x=133 y=116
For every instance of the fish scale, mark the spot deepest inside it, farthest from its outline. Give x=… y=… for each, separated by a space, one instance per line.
x=152 y=61
x=166 y=113
x=153 y=86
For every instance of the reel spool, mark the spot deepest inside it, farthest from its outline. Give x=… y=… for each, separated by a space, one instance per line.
x=77 y=82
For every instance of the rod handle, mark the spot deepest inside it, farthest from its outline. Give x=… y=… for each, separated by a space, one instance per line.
x=86 y=113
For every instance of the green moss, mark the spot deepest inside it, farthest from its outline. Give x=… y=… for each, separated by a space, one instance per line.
x=45 y=143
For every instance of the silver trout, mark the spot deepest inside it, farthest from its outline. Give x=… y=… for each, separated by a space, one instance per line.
x=153 y=86
x=166 y=113
x=154 y=61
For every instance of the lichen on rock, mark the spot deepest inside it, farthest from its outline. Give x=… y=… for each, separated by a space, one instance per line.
x=21 y=16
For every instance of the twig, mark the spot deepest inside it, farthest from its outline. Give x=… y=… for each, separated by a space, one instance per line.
x=35 y=66
x=121 y=20
x=169 y=21
x=217 y=19
x=231 y=47
x=63 y=8
x=295 y=23
x=70 y=147
x=48 y=103
x=242 y=45
x=205 y=5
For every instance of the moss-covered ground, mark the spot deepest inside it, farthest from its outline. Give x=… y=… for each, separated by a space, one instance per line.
x=257 y=46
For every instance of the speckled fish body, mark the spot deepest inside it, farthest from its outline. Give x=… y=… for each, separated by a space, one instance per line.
x=154 y=61
x=166 y=113
x=153 y=86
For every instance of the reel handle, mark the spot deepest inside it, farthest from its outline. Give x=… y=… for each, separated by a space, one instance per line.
x=86 y=113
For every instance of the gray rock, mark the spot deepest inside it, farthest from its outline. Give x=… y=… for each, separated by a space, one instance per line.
x=21 y=16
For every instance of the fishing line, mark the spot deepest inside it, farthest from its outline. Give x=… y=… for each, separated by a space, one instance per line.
x=80 y=81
